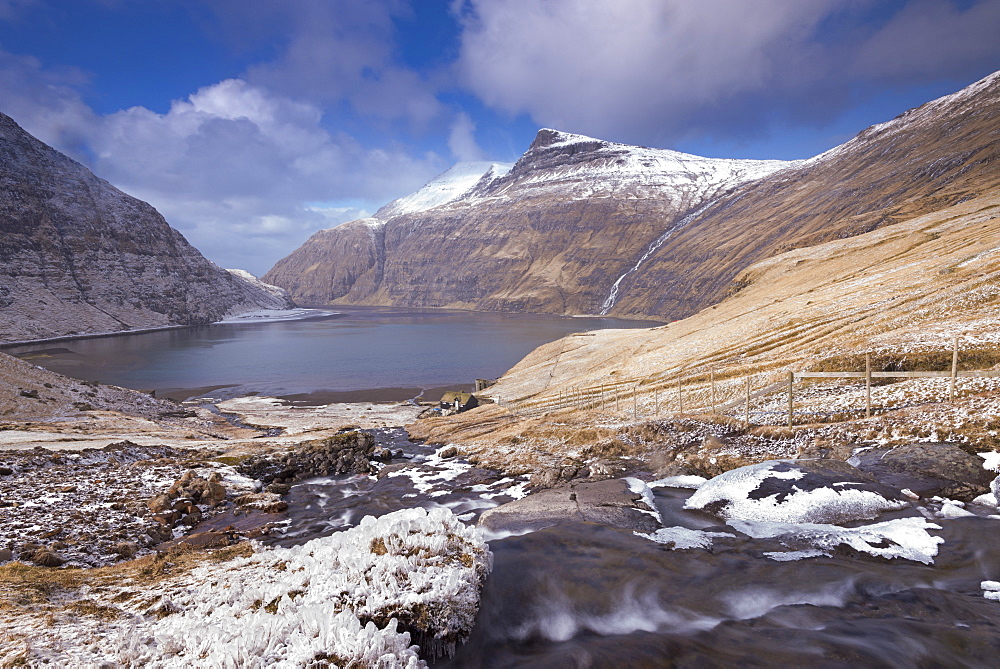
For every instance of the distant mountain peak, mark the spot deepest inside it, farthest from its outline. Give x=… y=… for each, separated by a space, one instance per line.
x=446 y=187
x=548 y=137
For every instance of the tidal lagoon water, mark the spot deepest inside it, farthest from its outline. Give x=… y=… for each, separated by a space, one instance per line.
x=351 y=349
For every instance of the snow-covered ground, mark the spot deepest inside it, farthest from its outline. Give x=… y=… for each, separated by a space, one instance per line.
x=271 y=412
x=274 y=316
x=446 y=187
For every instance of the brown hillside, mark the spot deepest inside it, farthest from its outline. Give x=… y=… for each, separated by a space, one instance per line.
x=942 y=153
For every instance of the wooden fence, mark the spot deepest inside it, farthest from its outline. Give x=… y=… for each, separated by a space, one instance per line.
x=667 y=394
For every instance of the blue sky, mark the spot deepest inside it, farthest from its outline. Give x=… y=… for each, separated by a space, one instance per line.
x=250 y=124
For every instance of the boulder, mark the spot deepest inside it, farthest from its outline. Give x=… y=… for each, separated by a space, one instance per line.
x=209 y=539
x=611 y=502
x=46 y=558
x=796 y=491
x=347 y=453
x=216 y=491
x=160 y=503
x=928 y=470
x=126 y=549
x=268 y=502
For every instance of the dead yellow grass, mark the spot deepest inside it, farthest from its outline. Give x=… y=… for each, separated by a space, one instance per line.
x=901 y=291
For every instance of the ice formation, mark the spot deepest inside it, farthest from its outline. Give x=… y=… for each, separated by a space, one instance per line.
x=779 y=492
x=682 y=538
x=905 y=538
x=639 y=487
x=684 y=481
x=355 y=598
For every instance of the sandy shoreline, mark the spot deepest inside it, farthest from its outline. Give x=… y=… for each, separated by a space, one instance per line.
x=323 y=397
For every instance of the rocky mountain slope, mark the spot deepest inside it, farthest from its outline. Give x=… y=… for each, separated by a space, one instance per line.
x=551 y=235
x=78 y=256
x=30 y=393
x=942 y=153
x=585 y=226
x=905 y=289
x=351 y=256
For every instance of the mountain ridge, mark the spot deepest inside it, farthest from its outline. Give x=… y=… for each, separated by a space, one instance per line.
x=568 y=185
x=581 y=225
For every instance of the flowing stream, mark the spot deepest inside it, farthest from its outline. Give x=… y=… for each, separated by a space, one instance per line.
x=591 y=595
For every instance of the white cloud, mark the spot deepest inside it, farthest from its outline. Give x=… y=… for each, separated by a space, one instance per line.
x=338 y=52
x=233 y=166
x=599 y=66
x=238 y=159
x=462 y=139
x=931 y=38
x=660 y=70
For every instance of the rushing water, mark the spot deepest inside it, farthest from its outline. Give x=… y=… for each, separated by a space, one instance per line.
x=353 y=349
x=591 y=595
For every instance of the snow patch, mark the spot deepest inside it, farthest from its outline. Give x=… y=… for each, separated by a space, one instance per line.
x=905 y=538
x=639 y=487
x=791 y=556
x=687 y=481
x=682 y=538
x=272 y=316
x=735 y=492
x=444 y=188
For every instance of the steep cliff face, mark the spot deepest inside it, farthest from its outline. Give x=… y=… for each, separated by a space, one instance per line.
x=78 y=256
x=551 y=235
x=334 y=262
x=937 y=155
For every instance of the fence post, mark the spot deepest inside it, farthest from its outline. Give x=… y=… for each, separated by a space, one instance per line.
x=748 y=404
x=712 y=374
x=602 y=397
x=791 y=380
x=868 y=384
x=954 y=368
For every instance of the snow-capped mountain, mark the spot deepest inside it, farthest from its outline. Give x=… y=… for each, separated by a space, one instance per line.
x=580 y=225
x=562 y=183
x=446 y=187
x=580 y=166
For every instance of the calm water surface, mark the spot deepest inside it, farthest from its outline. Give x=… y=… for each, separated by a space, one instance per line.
x=352 y=349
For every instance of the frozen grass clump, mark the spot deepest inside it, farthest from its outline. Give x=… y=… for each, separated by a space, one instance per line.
x=376 y=595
